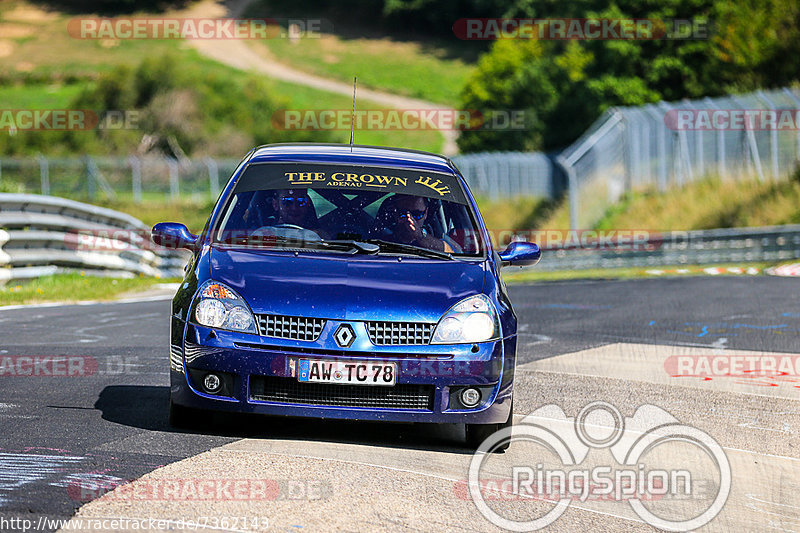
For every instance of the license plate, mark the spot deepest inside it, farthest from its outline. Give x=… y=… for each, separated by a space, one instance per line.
x=347 y=372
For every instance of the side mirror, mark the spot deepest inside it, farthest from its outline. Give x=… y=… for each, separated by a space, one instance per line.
x=520 y=254
x=173 y=235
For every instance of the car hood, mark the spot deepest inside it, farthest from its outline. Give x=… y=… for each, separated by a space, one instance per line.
x=346 y=288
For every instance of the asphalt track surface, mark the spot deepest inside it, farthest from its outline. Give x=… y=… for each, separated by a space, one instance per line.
x=58 y=432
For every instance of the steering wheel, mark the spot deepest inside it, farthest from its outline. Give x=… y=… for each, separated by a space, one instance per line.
x=308 y=234
x=290 y=226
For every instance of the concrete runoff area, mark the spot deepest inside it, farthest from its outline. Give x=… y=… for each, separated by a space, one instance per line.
x=342 y=485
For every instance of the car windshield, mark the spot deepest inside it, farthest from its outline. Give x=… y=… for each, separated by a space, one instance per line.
x=348 y=208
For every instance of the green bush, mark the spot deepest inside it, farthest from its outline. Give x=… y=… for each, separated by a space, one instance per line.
x=565 y=85
x=204 y=111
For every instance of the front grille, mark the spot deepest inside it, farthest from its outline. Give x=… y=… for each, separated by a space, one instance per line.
x=290 y=327
x=386 y=333
x=289 y=390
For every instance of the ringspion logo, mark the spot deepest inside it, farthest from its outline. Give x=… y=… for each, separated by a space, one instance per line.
x=599 y=455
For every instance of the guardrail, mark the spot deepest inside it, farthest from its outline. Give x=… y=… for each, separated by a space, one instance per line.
x=43 y=235
x=738 y=245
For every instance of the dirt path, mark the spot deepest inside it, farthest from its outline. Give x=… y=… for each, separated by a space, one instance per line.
x=237 y=54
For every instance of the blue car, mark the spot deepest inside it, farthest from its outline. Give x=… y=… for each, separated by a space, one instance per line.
x=345 y=282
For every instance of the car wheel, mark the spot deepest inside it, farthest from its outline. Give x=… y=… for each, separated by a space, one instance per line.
x=477 y=433
x=183 y=417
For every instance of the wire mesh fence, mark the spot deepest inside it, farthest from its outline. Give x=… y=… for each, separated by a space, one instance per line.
x=657 y=146
x=492 y=175
x=670 y=144
x=134 y=178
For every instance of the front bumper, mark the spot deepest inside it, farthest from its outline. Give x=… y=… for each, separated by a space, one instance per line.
x=251 y=361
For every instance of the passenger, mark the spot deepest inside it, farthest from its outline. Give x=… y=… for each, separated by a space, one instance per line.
x=405 y=218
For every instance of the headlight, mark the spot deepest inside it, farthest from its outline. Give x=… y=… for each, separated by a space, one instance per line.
x=217 y=306
x=470 y=320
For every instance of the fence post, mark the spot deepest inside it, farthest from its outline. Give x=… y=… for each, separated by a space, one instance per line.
x=662 y=147
x=44 y=173
x=773 y=136
x=572 y=191
x=751 y=142
x=721 y=169
x=699 y=150
x=91 y=182
x=629 y=147
x=174 y=191
x=213 y=177
x=687 y=163
x=796 y=101
x=136 y=178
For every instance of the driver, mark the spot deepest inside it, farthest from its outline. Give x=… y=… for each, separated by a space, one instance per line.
x=406 y=217
x=294 y=207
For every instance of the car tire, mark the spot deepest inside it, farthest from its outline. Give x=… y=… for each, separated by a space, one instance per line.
x=183 y=417
x=477 y=433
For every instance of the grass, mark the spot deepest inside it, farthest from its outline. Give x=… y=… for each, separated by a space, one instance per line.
x=74 y=287
x=706 y=204
x=529 y=275
x=45 y=50
x=356 y=40
x=192 y=213
x=404 y=68
x=300 y=97
x=43 y=45
x=514 y=214
x=40 y=96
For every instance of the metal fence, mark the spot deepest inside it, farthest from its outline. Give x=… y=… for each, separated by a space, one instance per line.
x=675 y=248
x=508 y=174
x=493 y=175
x=625 y=149
x=636 y=147
x=137 y=178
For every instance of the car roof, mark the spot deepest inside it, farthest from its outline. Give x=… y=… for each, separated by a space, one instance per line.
x=358 y=154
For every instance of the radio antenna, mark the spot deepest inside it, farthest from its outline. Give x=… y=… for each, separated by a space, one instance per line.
x=353 y=119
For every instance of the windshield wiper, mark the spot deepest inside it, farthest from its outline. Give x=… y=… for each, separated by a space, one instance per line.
x=390 y=246
x=362 y=247
x=277 y=241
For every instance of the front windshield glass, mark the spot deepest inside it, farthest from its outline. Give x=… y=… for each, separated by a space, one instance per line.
x=340 y=207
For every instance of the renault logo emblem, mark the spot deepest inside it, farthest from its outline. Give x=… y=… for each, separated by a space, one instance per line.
x=344 y=335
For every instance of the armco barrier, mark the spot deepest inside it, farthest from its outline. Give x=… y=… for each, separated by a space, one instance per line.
x=738 y=245
x=42 y=235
